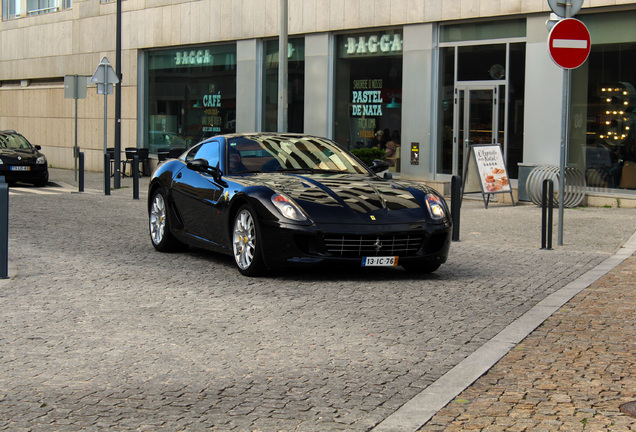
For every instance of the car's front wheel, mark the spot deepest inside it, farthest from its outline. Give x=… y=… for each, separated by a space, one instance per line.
x=43 y=181
x=246 y=243
x=162 y=239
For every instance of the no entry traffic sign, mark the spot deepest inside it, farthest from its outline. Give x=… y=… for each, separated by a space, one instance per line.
x=569 y=43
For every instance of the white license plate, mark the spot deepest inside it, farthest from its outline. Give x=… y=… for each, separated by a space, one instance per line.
x=20 y=168
x=379 y=261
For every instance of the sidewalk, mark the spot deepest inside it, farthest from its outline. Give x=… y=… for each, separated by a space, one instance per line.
x=573 y=373
x=94 y=182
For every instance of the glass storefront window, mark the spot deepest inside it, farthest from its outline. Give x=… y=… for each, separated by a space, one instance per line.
x=481 y=62
x=191 y=95
x=603 y=112
x=447 y=96
x=296 y=85
x=368 y=103
x=516 y=107
x=607 y=154
x=483 y=30
x=481 y=101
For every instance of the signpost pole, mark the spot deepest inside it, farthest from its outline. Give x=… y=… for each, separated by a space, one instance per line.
x=105 y=77
x=74 y=89
x=565 y=123
x=117 y=178
x=282 y=68
x=569 y=44
x=75 y=94
x=106 y=160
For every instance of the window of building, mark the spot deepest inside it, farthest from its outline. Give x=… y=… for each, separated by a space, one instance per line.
x=368 y=106
x=10 y=9
x=603 y=111
x=37 y=7
x=483 y=31
x=191 y=95
x=296 y=85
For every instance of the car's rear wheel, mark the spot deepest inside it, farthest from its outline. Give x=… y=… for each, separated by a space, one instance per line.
x=162 y=239
x=421 y=267
x=246 y=243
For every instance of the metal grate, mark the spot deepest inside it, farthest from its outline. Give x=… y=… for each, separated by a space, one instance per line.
x=348 y=245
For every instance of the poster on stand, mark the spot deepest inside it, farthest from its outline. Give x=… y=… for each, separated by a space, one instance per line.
x=486 y=170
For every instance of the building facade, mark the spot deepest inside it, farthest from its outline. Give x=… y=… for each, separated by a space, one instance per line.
x=434 y=76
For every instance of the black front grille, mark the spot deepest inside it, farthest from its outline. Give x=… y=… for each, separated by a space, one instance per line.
x=353 y=246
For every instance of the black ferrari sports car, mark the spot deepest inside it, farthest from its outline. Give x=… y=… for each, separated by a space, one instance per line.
x=21 y=161
x=272 y=200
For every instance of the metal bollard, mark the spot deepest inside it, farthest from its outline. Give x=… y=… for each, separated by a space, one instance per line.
x=456 y=204
x=547 y=204
x=106 y=174
x=135 y=174
x=4 y=229
x=81 y=172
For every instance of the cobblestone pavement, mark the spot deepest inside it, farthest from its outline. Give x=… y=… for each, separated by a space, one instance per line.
x=573 y=373
x=100 y=332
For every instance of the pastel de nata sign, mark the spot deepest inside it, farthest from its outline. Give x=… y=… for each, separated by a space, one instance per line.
x=370 y=44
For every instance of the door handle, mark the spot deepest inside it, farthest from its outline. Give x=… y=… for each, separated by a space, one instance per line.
x=179 y=175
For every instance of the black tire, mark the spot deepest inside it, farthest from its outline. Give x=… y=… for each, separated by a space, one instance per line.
x=159 y=223
x=42 y=182
x=247 y=246
x=421 y=267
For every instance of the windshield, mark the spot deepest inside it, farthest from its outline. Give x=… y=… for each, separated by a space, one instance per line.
x=14 y=142
x=290 y=153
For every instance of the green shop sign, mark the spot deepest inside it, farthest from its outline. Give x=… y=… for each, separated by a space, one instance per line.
x=189 y=57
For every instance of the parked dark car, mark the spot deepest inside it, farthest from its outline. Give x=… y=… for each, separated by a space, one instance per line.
x=21 y=161
x=273 y=200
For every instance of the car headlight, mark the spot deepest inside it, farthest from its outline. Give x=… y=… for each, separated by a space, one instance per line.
x=41 y=160
x=287 y=208
x=435 y=207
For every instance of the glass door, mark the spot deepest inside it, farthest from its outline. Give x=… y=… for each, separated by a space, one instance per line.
x=476 y=121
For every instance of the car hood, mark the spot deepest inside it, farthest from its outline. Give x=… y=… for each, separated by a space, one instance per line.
x=18 y=154
x=333 y=198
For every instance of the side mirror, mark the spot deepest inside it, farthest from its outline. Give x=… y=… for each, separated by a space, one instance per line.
x=381 y=168
x=379 y=165
x=38 y=147
x=201 y=165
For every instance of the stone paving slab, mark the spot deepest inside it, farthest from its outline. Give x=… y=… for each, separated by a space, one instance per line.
x=100 y=332
x=572 y=373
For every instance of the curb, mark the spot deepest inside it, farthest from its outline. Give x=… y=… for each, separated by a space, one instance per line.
x=419 y=410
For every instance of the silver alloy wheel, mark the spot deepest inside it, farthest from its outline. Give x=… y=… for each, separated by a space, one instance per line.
x=157 y=219
x=244 y=239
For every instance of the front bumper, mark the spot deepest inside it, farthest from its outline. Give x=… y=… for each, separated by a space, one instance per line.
x=35 y=173
x=288 y=244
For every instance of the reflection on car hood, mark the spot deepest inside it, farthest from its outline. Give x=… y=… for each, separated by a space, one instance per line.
x=335 y=196
x=27 y=154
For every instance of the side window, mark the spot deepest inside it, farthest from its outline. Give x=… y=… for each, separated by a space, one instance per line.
x=210 y=152
x=190 y=156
